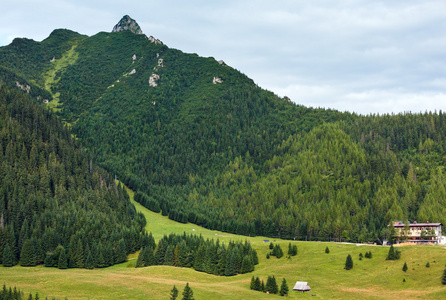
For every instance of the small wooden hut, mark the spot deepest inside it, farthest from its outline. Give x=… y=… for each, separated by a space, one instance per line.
x=301 y=286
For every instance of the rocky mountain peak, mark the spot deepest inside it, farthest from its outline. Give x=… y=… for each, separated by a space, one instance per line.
x=127 y=24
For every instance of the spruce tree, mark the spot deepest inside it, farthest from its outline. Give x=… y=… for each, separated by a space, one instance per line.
x=428 y=265
x=63 y=262
x=89 y=261
x=174 y=293
x=360 y=255
x=349 y=263
x=327 y=250
x=443 y=280
x=188 y=294
x=169 y=256
x=258 y=284
x=247 y=265
x=405 y=267
x=253 y=283
x=121 y=252
x=284 y=288
x=274 y=287
x=27 y=256
x=393 y=254
x=8 y=257
x=140 y=260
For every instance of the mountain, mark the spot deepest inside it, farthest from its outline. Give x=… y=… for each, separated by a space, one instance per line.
x=127 y=24
x=201 y=142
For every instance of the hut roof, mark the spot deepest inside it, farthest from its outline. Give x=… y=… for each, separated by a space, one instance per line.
x=301 y=286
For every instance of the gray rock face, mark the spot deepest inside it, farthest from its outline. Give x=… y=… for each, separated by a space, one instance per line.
x=127 y=24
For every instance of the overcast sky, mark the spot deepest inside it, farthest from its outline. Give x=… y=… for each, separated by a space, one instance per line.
x=362 y=56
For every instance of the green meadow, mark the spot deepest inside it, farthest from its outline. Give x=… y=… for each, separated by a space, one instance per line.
x=373 y=278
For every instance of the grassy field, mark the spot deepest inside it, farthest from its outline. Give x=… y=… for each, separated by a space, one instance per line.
x=373 y=278
x=67 y=59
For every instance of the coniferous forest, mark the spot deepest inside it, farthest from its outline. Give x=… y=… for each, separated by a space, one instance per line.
x=56 y=206
x=226 y=155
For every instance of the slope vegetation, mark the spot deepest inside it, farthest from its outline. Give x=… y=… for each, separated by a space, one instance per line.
x=54 y=202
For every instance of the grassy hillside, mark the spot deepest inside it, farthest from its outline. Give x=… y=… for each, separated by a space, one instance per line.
x=373 y=278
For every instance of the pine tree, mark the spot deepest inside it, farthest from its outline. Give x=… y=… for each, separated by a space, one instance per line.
x=327 y=250
x=63 y=262
x=169 y=256
x=174 y=293
x=360 y=255
x=258 y=285
x=271 y=246
x=284 y=288
x=8 y=257
x=188 y=294
x=349 y=263
x=443 y=280
x=121 y=252
x=89 y=261
x=247 y=265
x=428 y=265
x=27 y=256
x=253 y=283
x=140 y=260
x=393 y=254
x=405 y=267
x=271 y=285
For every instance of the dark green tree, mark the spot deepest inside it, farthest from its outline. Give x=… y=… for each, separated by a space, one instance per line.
x=121 y=252
x=89 y=261
x=8 y=257
x=428 y=265
x=27 y=255
x=174 y=293
x=327 y=250
x=253 y=283
x=443 y=279
x=271 y=285
x=405 y=267
x=393 y=253
x=292 y=250
x=63 y=261
x=247 y=265
x=360 y=255
x=188 y=294
x=284 y=288
x=348 y=263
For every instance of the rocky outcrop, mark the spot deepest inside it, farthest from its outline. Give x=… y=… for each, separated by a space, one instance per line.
x=153 y=79
x=154 y=40
x=24 y=87
x=217 y=80
x=127 y=24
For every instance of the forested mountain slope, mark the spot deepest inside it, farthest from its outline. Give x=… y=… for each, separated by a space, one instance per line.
x=203 y=143
x=53 y=199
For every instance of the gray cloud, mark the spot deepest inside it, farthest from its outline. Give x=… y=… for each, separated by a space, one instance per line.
x=361 y=56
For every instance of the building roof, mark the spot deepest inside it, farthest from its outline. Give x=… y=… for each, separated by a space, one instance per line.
x=301 y=286
x=401 y=224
